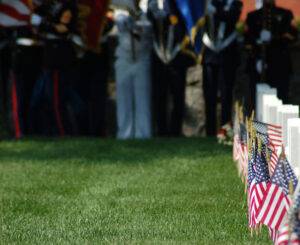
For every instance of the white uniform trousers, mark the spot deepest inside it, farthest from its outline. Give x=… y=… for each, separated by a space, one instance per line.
x=133 y=98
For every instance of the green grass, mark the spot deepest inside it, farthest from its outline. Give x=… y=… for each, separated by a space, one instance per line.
x=92 y=191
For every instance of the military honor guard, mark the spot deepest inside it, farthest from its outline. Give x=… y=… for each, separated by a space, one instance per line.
x=54 y=87
x=94 y=68
x=170 y=64
x=220 y=59
x=133 y=74
x=269 y=32
x=25 y=51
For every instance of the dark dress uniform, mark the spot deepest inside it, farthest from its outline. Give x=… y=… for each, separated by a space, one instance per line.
x=220 y=59
x=274 y=53
x=5 y=52
x=52 y=99
x=170 y=65
x=26 y=57
x=94 y=69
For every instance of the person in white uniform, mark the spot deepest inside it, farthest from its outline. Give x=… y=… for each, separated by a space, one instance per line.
x=133 y=75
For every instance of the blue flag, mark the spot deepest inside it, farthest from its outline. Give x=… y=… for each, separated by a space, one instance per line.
x=193 y=12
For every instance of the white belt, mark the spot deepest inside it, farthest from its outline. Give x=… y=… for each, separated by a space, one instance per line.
x=27 y=42
x=51 y=36
x=217 y=48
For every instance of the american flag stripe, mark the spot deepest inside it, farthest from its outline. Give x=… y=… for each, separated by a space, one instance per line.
x=274 y=207
x=256 y=193
x=272 y=132
x=285 y=238
x=14 y=13
x=21 y=6
x=243 y=159
x=254 y=204
x=236 y=144
x=7 y=21
x=273 y=162
x=273 y=234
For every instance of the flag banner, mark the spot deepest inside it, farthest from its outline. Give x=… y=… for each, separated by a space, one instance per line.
x=15 y=13
x=92 y=15
x=193 y=12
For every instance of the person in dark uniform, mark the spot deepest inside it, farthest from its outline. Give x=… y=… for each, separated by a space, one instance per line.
x=51 y=103
x=94 y=68
x=25 y=59
x=269 y=32
x=170 y=64
x=220 y=59
x=5 y=57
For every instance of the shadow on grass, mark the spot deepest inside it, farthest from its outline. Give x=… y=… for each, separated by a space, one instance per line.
x=97 y=151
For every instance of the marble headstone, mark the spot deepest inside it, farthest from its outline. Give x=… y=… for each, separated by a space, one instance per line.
x=284 y=113
x=293 y=149
x=269 y=112
x=262 y=89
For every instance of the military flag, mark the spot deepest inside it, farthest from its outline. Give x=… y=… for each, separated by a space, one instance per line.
x=92 y=14
x=193 y=12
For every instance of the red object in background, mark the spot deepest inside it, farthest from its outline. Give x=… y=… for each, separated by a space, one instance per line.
x=14 y=13
x=92 y=16
x=15 y=107
x=293 y=5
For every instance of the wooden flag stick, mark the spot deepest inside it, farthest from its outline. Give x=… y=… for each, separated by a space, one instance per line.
x=252 y=116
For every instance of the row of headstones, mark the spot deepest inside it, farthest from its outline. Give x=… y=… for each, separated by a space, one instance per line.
x=271 y=110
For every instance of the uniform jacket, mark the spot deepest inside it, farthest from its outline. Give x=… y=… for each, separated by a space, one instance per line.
x=135 y=36
x=279 y=22
x=226 y=15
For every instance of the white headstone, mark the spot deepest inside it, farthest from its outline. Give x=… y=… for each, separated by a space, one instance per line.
x=286 y=112
x=293 y=149
x=262 y=89
x=272 y=112
x=269 y=102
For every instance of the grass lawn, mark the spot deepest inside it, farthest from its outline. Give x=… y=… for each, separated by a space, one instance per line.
x=92 y=191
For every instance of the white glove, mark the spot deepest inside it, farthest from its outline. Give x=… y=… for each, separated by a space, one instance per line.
x=211 y=9
x=265 y=35
x=35 y=20
x=77 y=40
x=259 y=66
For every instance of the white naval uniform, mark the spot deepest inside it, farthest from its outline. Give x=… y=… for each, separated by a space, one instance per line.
x=133 y=77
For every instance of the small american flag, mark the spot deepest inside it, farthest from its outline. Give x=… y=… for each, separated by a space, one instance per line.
x=270 y=149
x=290 y=232
x=258 y=186
x=252 y=194
x=286 y=237
x=273 y=132
x=276 y=201
x=243 y=149
x=273 y=234
x=15 y=13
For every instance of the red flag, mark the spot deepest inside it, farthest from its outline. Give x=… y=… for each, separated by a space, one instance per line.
x=92 y=17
